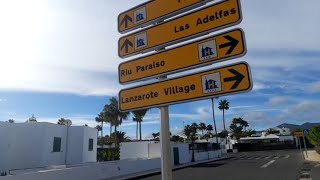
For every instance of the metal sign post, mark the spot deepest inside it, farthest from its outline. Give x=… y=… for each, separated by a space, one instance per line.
x=166 y=170
x=300 y=147
x=305 y=146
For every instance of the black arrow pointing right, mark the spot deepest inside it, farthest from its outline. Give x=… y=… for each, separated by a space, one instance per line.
x=126 y=45
x=125 y=21
x=237 y=78
x=232 y=44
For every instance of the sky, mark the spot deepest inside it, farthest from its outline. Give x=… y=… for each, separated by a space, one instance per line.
x=59 y=59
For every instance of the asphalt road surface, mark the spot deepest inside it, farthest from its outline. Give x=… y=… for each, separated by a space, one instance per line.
x=263 y=165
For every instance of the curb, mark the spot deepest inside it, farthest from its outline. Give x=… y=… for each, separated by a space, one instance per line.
x=158 y=170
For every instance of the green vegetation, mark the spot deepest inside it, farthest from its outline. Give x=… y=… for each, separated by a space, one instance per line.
x=314 y=137
x=237 y=126
x=108 y=154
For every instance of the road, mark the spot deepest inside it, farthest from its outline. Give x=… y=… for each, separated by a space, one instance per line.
x=263 y=165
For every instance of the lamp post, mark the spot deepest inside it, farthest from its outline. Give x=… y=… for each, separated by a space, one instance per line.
x=192 y=145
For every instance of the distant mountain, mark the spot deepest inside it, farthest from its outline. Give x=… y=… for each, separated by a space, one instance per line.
x=293 y=127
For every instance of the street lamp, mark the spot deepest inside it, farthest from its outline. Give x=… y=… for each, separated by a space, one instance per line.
x=192 y=145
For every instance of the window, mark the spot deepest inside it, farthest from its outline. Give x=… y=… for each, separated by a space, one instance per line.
x=90 y=145
x=56 y=144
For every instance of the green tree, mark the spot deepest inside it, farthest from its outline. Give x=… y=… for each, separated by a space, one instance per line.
x=176 y=138
x=272 y=131
x=156 y=136
x=115 y=116
x=209 y=128
x=224 y=105
x=11 y=121
x=63 y=121
x=101 y=119
x=187 y=131
x=138 y=117
x=314 y=137
x=249 y=132
x=32 y=119
x=237 y=126
x=99 y=128
x=202 y=126
x=120 y=137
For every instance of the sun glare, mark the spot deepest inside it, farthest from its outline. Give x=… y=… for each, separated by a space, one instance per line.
x=23 y=25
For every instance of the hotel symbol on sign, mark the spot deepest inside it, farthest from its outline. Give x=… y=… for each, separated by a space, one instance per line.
x=140 y=15
x=207 y=50
x=140 y=40
x=211 y=83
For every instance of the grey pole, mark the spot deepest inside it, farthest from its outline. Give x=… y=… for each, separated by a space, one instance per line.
x=300 y=147
x=166 y=170
x=214 y=123
x=305 y=146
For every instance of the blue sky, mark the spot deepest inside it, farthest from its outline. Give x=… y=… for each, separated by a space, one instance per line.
x=59 y=59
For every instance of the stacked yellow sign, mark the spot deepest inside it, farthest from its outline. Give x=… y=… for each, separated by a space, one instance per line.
x=226 y=80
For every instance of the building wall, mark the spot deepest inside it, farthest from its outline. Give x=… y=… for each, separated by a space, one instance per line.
x=75 y=148
x=89 y=156
x=134 y=150
x=51 y=131
x=30 y=145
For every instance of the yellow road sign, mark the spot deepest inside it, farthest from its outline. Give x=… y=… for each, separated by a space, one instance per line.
x=203 y=21
x=298 y=134
x=153 y=11
x=225 y=80
x=210 y=50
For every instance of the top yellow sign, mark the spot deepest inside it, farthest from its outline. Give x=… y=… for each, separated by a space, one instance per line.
x=198 y=23
x=153 y=11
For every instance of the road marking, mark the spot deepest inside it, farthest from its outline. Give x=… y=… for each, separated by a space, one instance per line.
x=277 y=157
x=257 y=158
x=267 y=164
x=287 y=156
x=318 y=165
x=267 y=157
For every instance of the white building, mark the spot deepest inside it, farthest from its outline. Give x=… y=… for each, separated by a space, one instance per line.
x=41 y=144
x=283 y=131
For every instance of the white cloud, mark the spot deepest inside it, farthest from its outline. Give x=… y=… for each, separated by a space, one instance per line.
x=314 y=87
x=54 y=47
x=274 y=101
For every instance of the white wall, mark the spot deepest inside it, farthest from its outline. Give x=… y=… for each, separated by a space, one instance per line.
x=93 y=171
x=89 y=156
x=285 y=138
x=51 y=131
x=75 y=148
x=134 y=150
x=30 y=145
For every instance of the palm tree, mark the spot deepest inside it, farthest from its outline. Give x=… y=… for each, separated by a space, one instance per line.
x=99 y=128
x=11 y=121
x=63 y=121
x=209 y=128
x=202 y=126
x=100 y=119
x=194 y=128
x=121 y=136
x=115 y=116
x=137 y=127
x=224 y=105
x=32 y=119
x=138 y=117
x=187 y=131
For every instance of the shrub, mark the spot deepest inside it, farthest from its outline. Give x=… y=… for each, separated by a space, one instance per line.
x=314 y=137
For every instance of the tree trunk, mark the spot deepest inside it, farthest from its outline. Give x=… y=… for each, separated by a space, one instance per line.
x=102 y=133
x=101 y=128
x=224 y=123
x=140 y=129
x=115 y=136
x=137 y=131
